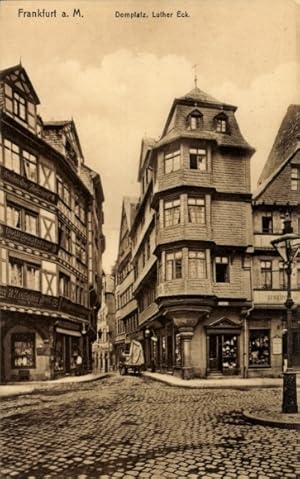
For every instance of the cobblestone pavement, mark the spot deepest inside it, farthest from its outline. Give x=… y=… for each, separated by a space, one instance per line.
x=127 y=427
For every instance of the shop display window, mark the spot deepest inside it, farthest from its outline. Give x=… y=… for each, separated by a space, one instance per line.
x=59 y=353
x=259 y=348
x=229 y=352
x=23 y=350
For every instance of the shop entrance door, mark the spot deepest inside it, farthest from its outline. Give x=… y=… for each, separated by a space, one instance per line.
x=223 y=353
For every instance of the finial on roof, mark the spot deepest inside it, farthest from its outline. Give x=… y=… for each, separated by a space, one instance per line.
x=20 y=62
x=195 y=75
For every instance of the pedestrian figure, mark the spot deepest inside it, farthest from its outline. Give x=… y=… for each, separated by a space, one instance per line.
x=78 y=365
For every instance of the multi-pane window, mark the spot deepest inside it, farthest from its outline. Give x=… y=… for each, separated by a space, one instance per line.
x=19 y=106
x=80 y=250
x=64 y=285
x=196 y=210
x=266 y=274
x=198 y=159
x=295 y=179
x=30 y=166
x=172 y=212
x=68 y=240
x=63 y=192
x=282 y=276
x=267 y=222
x=173 y=265
x=221 y=125
x=194 y=120
x=21 y=162
x=172 y=161
x=21 y=218
x=197 y=265
x=259 y=348
x=23 y=275
x=222 y=269
x=79 y=209
x=23 y=350
x=12 y=157
x=64 y=237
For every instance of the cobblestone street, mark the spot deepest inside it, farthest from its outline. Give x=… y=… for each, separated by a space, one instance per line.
x=126 y=427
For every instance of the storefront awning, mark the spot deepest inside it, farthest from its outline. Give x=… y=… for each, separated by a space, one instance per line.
x=69 y=332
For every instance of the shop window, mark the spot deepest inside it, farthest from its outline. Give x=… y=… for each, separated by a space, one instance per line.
x=172 y=161
x=196 y=210
x=23 y=350
x=222 y=269
x=197 y=265
x=59 y=353
x=172 y=212
x=266 y=274
x=259 y=348
x=295 y=179
x=198 y=159
x=267 y=222
x=173 y=265
x=229 y=352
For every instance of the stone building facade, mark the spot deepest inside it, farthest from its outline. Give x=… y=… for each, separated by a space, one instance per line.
x=51 y=239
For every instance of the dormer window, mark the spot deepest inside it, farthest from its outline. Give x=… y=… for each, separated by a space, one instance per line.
x=194 y=120
x=221 y=123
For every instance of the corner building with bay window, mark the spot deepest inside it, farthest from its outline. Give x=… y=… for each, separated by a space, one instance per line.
x=190 y=240
x=51 y=240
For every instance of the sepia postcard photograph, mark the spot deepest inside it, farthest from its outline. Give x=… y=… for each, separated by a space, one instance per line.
x=149 y=239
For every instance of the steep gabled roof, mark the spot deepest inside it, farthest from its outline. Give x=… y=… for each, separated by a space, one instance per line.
x=17 y=76
x=284 y=144
x=146 y=145
x=64 y=125
x=129 y=205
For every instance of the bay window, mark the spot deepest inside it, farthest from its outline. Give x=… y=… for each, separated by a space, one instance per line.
x=197 y=264
x=172 y=212
x=172 y=161
x=196 y=210
x=198 y=159
x=173 y=265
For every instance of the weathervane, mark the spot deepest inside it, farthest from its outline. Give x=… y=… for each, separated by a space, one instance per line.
x=195 y=75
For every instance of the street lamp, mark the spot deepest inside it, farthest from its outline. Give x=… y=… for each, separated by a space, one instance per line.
x=287 y=245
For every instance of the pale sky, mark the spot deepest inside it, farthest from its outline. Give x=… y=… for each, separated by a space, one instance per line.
x=118 y=77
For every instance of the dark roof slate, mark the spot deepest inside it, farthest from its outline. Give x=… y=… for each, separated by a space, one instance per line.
x=284 y=144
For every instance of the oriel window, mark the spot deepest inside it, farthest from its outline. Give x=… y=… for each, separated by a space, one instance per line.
x=198 y=159
x=197 y=265
x=222 y=269
x=196 y=210
x=172 y=212
x=173 y=265
x=172 y=161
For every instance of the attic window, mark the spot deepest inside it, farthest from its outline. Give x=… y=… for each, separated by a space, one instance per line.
x=295 y=179
x=194 y=120
x=221 y=123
